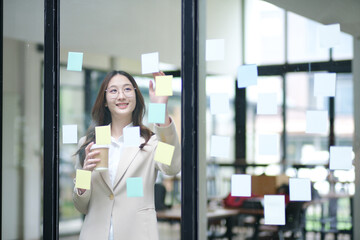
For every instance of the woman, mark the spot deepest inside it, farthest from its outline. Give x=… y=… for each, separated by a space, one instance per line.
x=109 y=212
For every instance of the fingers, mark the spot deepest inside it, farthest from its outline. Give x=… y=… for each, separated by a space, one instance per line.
x=151 y=86
x=88 y=147
x=160 y=73
x=90 y=159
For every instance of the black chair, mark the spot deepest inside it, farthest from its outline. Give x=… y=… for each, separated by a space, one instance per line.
x=160 y=194
x=295 y=221
x=294 y=224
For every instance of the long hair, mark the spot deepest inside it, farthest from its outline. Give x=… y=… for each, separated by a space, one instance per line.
x=102 y=116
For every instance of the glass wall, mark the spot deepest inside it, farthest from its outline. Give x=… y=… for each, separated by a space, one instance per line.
x=22 y=158
x=114 y=36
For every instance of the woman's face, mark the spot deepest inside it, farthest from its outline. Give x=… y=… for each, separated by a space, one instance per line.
x=120 y=97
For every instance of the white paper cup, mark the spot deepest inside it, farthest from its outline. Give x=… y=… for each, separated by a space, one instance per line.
x=103 y=155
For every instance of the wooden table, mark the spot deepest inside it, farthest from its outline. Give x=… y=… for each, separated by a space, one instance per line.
x=174 y=214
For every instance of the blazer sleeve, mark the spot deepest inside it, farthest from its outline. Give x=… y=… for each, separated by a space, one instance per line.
x=169 y=135
x=81 y=202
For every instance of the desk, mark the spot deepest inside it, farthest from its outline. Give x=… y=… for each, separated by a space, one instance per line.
x=174 y=214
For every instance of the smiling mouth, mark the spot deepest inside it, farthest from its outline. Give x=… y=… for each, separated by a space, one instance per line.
x=122 y=105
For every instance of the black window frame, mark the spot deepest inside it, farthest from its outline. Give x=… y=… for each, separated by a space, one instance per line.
x=189 y=132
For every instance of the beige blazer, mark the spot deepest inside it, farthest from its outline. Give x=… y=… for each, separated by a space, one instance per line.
x=132 y=217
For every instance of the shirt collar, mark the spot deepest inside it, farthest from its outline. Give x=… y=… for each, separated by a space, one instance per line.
x=121 y=138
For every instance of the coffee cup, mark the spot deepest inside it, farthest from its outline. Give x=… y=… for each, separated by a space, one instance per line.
x=103 y=156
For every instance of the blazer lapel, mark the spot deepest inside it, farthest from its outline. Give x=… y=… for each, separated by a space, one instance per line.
x=105 y=176
x=127 y=157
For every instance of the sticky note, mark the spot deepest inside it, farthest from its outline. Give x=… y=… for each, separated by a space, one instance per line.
x=75 y=61
x=132 y=136
x=340 y=158
x=329 y=35
x=300 y=189
x=134 y=187
x=164 y=153
x=247 y=75
x=219 y=103
x=241 y=185
x=267 y=104
x=83 y=179
x=215 y=50
x=103 y=135
x=324 y=84
x=220 y=146
x=156 y=113
x=164 y=85
x=269 y=144
x=150 y=62
x=316 y=122
x=274 y=209
x=69 y=134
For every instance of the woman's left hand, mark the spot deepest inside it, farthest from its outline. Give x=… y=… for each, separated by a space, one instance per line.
x=153 y=97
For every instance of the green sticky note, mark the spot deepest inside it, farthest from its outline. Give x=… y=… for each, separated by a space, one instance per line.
x=134 y=187
x=75 y=61
x=164 y=85
x=103 y=135
x=83 y=179
x=164 y=153
x=157 y=113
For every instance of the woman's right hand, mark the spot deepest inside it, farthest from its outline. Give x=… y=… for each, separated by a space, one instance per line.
x=89 y=162
x=90 y=158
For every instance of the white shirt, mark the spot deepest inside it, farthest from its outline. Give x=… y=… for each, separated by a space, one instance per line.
x=115 y=150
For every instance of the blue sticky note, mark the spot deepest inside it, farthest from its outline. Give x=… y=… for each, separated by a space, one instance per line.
x=134 y=187
x=157 y=113
x=247 y=75
x=75 y=61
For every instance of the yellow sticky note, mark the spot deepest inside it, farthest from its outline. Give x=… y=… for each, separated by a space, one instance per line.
x=164 y=85
x=164 y=153
x=83 y=179
x=103 y=135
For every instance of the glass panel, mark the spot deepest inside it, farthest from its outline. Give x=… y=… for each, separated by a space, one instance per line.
x=344 y=51
x=302 y=40
x=264 y=33
x=344 y=128
x=260 y=124
x=114 y=36
x=304 y=148
x=22 y=147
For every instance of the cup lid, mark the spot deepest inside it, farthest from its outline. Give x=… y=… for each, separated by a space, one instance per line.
x=98 y=146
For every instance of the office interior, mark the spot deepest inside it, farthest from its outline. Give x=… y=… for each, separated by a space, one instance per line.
x=279 y=36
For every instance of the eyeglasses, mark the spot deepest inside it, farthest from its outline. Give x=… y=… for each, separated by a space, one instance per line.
x=128 y=91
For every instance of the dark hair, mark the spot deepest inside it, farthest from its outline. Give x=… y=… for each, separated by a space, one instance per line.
x=102 y=116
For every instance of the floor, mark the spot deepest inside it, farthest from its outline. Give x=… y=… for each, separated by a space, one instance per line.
x=172 y=232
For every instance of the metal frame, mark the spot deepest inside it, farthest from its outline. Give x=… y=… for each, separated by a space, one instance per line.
x=1 y=100
x=51 y=118
x=189 y=118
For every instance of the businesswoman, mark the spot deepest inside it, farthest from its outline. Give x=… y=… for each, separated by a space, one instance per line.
x=109 y=212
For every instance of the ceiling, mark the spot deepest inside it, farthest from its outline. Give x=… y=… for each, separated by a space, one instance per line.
x=129 y=28
x=345 y=12
x=116 y=28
